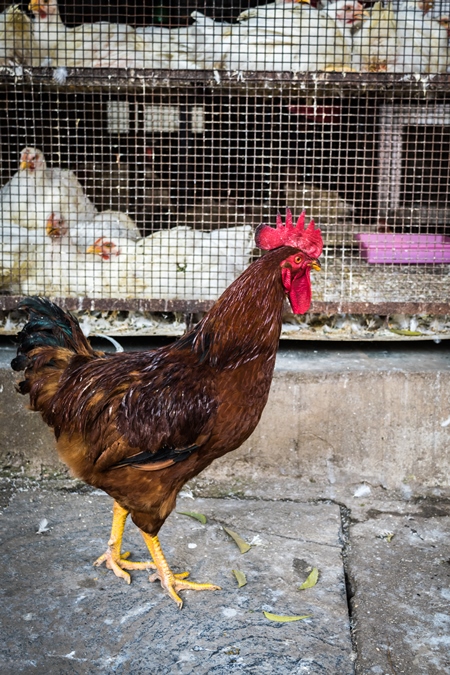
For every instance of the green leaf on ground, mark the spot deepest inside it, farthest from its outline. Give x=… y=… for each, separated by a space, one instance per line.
x=194 y=514
x=311 y=580
x=285 y=619
x=243 y=546
x=240 y=577
x=407 y=333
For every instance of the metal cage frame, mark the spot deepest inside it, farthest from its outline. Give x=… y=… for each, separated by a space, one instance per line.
x=317 y=85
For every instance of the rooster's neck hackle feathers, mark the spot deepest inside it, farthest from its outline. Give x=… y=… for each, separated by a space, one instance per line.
x=246 y=320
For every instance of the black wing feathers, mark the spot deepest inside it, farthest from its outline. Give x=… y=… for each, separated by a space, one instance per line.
x=164 y=454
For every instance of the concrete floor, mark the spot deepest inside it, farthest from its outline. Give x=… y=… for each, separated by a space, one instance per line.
x=347 y=471
x=381 y=604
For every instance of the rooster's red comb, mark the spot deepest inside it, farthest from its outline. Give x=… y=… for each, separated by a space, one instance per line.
x=307 y=239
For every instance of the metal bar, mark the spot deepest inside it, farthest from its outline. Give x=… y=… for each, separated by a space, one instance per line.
x=193 y=306
x=318 y=83
x=381 y=308
x=117 y=305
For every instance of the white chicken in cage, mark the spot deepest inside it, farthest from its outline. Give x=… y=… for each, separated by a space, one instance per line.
x=146 y=269
x=168 y=256
x=180 y=263
x=287 y=36
x=156 y=46
x=35 y=191
x=205 y=41
x=226 y=254
x=15 y=240
x=115 y=272
x=104 y=224
x=236 y=243
x=184 y=263
x=51 y=267
x=107 y=236
x=403 y=41
x=349 y=16
x=167 y=48
x=17 y=45
x=49 y=263
x=94 y=45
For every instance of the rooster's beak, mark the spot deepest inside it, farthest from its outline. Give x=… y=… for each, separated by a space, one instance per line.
x=24 y=165
x=360 y=14
x=51 y=230
x=34 y=6
x=95 y=249
x=315 y=265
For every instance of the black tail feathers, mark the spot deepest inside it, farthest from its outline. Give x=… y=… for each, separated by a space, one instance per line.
x=47 y=326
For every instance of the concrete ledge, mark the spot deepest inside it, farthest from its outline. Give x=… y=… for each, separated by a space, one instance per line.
x=334 y=415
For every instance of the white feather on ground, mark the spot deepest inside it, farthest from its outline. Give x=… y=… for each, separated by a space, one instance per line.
x=42 y=527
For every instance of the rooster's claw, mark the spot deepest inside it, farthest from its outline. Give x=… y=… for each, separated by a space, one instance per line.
x=118 y=563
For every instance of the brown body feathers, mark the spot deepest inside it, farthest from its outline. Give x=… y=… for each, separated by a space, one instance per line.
x=139 y=425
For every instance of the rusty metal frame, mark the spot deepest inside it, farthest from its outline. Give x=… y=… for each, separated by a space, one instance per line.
x=268 y=82
x=320 y=84
x=10 y=302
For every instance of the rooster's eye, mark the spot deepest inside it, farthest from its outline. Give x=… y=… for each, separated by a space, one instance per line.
x=298 y=259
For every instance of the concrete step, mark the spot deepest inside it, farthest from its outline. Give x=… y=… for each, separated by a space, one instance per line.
x=337 y=415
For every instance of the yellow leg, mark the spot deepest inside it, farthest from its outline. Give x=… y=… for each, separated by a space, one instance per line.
x=169 y=581
x=113 y=558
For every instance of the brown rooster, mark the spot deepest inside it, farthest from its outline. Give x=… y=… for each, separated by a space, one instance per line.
x=140 y=425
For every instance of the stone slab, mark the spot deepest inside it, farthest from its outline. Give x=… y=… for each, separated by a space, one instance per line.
x=62 y=615
x=401 y=589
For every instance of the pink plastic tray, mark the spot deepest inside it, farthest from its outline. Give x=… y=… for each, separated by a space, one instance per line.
x=384 y=247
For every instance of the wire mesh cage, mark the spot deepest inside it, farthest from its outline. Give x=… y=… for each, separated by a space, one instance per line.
x=142 y=143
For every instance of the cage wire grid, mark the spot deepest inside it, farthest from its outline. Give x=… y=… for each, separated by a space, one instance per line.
x=142 y=143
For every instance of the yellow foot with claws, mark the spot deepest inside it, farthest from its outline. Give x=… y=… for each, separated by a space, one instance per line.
x=173 y=583
x=113 y=558
x=118 y=563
